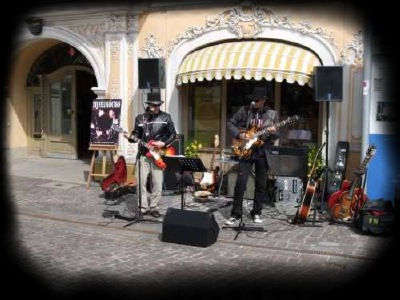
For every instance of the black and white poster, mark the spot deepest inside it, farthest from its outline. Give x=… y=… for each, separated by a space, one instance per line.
x=105 y=122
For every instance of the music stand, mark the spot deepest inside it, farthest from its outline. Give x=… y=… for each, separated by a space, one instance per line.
x=181 y=164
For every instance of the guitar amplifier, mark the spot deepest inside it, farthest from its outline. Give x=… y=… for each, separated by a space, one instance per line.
x=231 y=176
x=288 y=189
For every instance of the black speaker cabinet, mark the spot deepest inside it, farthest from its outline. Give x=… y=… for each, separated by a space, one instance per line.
x=178 y=145
x=328 y=83
x=231 y=180
x=151 y=73
x=171 y=182
x=288 y=161
x=189 y=227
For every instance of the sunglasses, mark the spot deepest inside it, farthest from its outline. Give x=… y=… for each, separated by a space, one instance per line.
x=155 y=105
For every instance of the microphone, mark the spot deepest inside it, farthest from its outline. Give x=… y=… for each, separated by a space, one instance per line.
x=252 y=104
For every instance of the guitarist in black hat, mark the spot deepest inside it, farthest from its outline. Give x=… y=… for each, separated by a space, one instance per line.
x=155 y=128
x=255 y=116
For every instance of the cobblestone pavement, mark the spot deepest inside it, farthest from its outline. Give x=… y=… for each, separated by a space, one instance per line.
x=61 y=242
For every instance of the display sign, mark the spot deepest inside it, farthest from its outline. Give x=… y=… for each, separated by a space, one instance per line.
x=106 y=114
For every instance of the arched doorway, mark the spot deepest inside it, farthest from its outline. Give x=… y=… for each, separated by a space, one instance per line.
x=60 y=100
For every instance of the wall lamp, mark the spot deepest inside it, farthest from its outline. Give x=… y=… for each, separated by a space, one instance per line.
x=35 y=25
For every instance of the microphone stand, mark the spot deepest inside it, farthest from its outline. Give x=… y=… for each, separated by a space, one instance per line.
x=139 y=217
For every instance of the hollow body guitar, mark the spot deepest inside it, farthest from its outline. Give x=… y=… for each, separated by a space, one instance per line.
x=348 y=201
x=242 y=148
x=208 y=180
x=153 y=152
x=304 y=208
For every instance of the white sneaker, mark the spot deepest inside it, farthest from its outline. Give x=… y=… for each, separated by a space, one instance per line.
x=257 y=219
x=231 y=221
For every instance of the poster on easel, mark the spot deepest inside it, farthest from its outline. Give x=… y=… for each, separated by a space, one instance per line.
x=105 y=120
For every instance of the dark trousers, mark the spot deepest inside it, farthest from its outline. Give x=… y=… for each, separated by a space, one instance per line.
x=260 y=185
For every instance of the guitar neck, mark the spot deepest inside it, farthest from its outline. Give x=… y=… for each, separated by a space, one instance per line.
x=277 y=125
x=356 y=180
x=353 y=188
x=212 y=161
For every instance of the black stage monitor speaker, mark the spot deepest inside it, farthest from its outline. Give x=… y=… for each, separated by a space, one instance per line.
x=288 y=161
x=151 y=73
x=328 y=83
x=189 y=227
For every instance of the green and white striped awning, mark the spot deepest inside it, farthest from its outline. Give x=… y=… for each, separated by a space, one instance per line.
x=249 y=59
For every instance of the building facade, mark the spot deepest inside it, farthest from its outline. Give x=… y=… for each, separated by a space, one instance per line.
x=208 y=58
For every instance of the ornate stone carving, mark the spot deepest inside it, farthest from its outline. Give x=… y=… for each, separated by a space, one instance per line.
x=121 y=23
x=130 y=40
x=353 y=52
x=248 y=21
x=152 y=49
x=114 y=89
x=92 y=32
x=114 y=50
x=244 y=21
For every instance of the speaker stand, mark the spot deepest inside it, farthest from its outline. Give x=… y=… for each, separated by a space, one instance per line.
x=243 y=227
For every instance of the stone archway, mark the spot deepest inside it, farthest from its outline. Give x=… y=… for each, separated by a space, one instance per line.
x=322 y=48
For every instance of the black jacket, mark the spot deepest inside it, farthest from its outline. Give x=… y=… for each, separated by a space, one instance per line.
x=150 y=127
x=244 y=120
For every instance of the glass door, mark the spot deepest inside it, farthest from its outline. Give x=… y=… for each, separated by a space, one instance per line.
x=61 y=125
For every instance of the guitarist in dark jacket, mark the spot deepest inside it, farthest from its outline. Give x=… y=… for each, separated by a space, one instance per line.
x=156 y=128
x=255 y=116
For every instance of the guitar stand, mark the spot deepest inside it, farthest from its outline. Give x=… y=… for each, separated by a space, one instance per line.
x=314 y=214
x=314 y=220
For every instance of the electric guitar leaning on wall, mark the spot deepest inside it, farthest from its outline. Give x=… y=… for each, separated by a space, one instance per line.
x=346 y=202
x=208 y=181
x=242 y=148
x=304 y=208
x=153 y=152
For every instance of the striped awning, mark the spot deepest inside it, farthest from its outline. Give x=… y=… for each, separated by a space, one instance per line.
x=249 y=59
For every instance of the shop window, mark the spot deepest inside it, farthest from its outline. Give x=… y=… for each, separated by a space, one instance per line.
x=205 y=106
x=209 y=112
x=298 y=100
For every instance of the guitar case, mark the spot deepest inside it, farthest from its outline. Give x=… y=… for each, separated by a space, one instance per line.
x=115 y=184
x=376 y=217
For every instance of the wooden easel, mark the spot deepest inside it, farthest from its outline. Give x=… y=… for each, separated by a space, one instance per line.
x=111 y=149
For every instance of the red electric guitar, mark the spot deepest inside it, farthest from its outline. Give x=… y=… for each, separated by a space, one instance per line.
x=304 y=209
x=153 y=152
x=345 y=203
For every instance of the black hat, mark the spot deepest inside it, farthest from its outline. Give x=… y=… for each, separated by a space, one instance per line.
x=259 y=93
x=154 y=98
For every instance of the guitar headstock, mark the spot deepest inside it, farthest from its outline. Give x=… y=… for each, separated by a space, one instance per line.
x=216 y=141
x=118 y=129
x=371 y=151
x=294 y=118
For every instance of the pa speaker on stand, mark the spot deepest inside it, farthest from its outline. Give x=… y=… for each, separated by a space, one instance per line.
x=328 y=83
x=328 y=87
x=151 y=73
